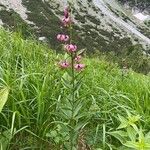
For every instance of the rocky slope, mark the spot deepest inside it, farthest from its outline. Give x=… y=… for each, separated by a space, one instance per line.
x=98 y=24
x=143 y=5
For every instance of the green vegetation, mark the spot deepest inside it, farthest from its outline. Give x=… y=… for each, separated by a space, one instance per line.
x=147 y=23
x=142 y=5
x=31 y=117
x=131 y=57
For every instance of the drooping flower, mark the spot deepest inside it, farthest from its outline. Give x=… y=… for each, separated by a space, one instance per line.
x=79 y=67
x=78 y=58
x=64 y=64
x=62 y=37
x=66 y=38
x=66 y=21
x=66 y=12
x=70 y=48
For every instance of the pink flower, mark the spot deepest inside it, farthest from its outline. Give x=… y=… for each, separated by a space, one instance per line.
x=66 y=12
x=70 y=48
x=62 y=37
x=66 y=21
x=79 y=67
x=66 y=38
x=78 y=58
x=63 y=64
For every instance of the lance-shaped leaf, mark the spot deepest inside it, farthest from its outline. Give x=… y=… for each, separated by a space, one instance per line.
x=3 y=97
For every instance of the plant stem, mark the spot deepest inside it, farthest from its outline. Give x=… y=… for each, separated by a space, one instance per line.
x=72 y=123
x=73 y=101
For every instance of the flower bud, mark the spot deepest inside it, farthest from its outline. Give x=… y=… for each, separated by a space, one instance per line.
x=66 y=12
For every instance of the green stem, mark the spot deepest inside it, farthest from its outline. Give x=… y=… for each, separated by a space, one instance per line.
x=73 y=101
x=72 y=123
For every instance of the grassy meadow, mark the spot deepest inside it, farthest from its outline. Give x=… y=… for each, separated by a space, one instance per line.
x=115 y=103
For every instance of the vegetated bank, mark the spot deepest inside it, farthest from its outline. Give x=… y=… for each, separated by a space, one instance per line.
x=30 y=71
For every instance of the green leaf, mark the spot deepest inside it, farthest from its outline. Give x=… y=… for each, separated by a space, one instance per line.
x=66 y=112
x=77 y=109
x=3 y=97
x=80 y=125
x=120 y=135
x=57 y=139
x=132 y=144
x=147 y=137
x=141 y=135
x=131 y=133
x=125 y=148
x=48 y=135
x=124 y=122
x=5 y=139
x=66 y=80
x=133 y=120
x=66 y=56
x=80 y=52
x=53 y=133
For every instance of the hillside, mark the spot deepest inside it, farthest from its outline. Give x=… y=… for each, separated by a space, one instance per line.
x=143 y=5
x=110 y=24
x=35 y=117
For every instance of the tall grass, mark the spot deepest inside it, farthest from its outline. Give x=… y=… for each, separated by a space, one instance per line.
x=29 y=69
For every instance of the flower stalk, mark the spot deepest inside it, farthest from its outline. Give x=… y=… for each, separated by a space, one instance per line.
x=73 y=67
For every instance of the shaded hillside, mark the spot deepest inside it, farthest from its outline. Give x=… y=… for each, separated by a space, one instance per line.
x=142 y=5
x=94 y=29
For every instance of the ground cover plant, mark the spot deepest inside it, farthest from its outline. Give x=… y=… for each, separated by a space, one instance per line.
x=53 y=101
